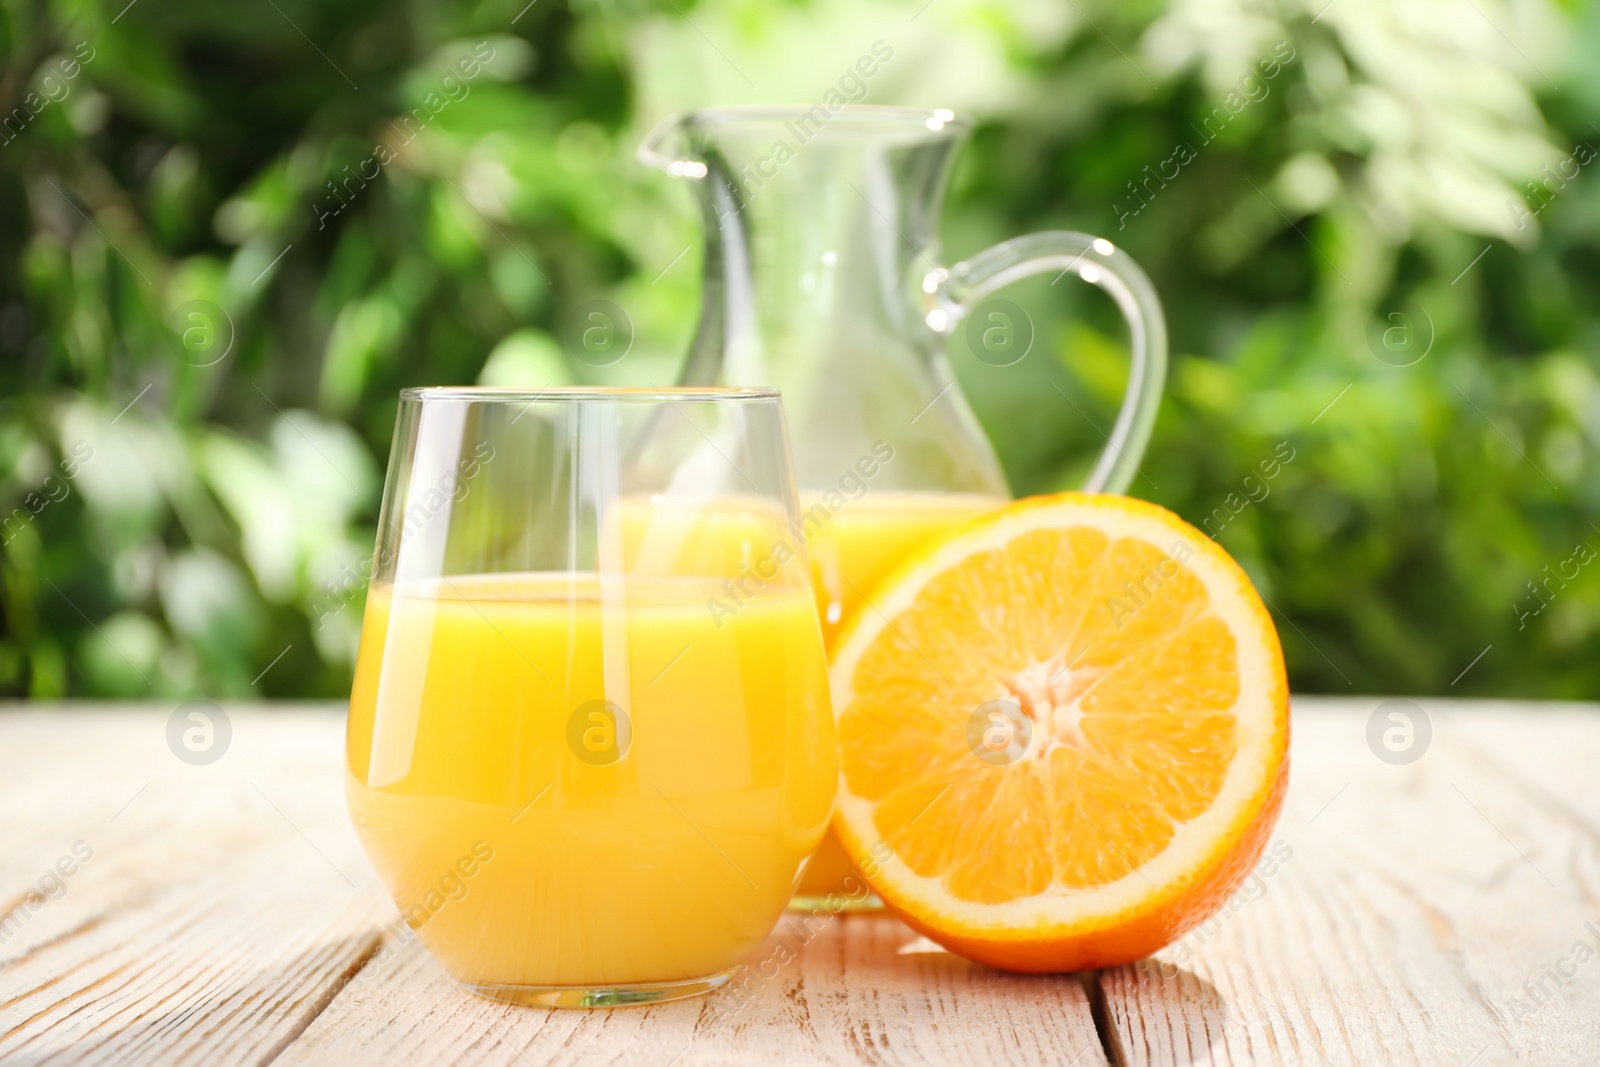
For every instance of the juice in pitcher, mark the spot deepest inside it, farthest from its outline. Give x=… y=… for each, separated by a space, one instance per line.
x=850 y=554
x=868 y=538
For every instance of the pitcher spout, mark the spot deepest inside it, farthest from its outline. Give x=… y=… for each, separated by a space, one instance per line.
x=665 y=148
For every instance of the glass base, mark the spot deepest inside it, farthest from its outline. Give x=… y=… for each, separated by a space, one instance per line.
x=815 y=902
x=599 y=996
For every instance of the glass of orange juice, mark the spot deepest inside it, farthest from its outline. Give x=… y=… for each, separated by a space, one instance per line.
x=590 y=741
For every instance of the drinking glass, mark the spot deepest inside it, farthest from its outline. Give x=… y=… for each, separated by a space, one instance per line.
x=590 y=740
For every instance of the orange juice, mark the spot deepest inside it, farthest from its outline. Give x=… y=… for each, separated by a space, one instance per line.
x=850 y=554
x=550 y=838
x=866 y=539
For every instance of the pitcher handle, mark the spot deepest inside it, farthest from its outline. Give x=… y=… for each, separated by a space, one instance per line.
x=952 y=294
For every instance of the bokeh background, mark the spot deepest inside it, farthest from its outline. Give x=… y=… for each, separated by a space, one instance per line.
x=1383 y=260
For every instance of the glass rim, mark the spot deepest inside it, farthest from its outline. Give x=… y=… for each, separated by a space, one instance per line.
x=570 y=394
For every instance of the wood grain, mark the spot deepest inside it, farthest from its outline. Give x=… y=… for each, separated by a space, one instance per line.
x=225 y=914
x=859 y=989
x=217 y=913
x=1414 y=904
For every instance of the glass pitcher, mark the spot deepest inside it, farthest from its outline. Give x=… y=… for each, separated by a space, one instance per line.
x=822 y=278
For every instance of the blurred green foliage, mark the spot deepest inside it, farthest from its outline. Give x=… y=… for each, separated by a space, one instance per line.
x=1359 y=274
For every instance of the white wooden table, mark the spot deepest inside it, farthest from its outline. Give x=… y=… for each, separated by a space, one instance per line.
x=224 y=914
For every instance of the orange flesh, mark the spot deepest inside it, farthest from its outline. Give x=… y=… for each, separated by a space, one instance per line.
x=1136 y=733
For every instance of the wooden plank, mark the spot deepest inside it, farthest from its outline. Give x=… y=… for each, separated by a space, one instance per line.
x=1409 y=911
x=1415 y=913
x=212 y=915
x=214 y=922
x=844 y=990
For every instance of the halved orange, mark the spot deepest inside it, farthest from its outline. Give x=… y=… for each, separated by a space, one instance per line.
x=1064 y=733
